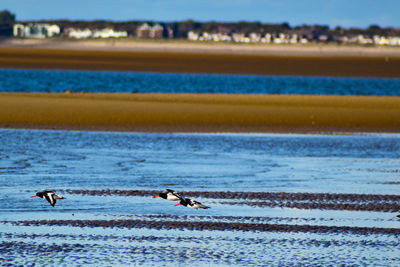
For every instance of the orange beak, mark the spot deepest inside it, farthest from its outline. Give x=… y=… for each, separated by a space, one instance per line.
x=177 y=204
x=34 y=196
x=156 y=196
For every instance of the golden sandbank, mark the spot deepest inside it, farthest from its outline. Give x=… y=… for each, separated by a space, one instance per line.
x=200 y=112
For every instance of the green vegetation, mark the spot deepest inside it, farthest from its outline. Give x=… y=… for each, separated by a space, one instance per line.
x=7 y=20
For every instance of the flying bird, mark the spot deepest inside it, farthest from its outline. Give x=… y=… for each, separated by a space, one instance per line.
x=190 y=203
x=50 y=196
x=169 y=195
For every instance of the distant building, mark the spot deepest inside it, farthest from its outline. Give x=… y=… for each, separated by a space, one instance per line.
x=255 y=37
x=267 y=38
x=238 y=37
x=193 y=36
x=143 y=31
x=19 y=30
x=156 y=31
x=78 y=33
x=53 y=30
x=36 y=30
x=99 y=33
x=109 y=33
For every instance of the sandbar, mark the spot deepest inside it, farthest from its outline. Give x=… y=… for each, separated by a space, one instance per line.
x=182 y=58
x=200 y=112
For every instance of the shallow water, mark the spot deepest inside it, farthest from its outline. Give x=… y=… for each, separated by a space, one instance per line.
x=275 y=199
x=130 y=82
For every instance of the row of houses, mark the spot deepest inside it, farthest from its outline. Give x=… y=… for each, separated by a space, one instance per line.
x=155 y=31
x=101 y=33
x=291 y=38
x=377 y=40
x=37 y=30
x=42 y=30
x=250 y=38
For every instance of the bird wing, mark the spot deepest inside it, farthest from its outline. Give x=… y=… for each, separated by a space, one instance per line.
x=178 y=195
x=50 y=198
x=199 y=205
x=58 y=197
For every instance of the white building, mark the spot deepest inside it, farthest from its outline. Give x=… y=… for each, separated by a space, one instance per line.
x=192 y=36
x=255 y=37
x=101 y=33
x=53 y=30
x=394 y=40
x=79 y=34
x=19 y=30
x=109 y=33
x=36 y=30
x=268 y=38
x=238 y=37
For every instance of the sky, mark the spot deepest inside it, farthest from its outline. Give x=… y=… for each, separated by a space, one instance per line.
x=344 y=13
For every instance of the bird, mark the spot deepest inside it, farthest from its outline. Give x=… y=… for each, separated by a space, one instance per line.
x=190 y=203
x=169 y=195
x=50 y=196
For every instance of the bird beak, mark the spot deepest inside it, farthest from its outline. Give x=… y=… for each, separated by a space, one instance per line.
x=177 y=204
x=156 y=196
x=34 y=196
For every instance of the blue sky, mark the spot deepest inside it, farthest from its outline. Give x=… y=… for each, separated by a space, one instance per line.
x=345 y=13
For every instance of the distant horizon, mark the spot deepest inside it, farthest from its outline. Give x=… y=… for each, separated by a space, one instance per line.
x=343 y=13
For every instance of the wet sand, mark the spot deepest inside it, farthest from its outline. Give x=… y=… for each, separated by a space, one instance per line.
x=213 y=226
x=274 y=199
x=200 y=112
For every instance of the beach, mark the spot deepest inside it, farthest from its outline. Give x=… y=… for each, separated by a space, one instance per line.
x=200 y=112
x=289 y=179
x=184 y=57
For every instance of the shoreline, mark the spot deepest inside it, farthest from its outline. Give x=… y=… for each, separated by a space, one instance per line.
x=186 y=46
x=200 y=113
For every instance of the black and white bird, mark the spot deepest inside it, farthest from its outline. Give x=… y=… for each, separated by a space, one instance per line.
x=50 y=196
x=169 y=195
x=190 y=203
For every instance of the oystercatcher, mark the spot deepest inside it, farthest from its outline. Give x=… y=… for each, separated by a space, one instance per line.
x=190 y=203
x=169 y=195
x=50 y=196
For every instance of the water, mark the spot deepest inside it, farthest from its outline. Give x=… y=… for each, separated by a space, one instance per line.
x=130 y=82
x=96 y=225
